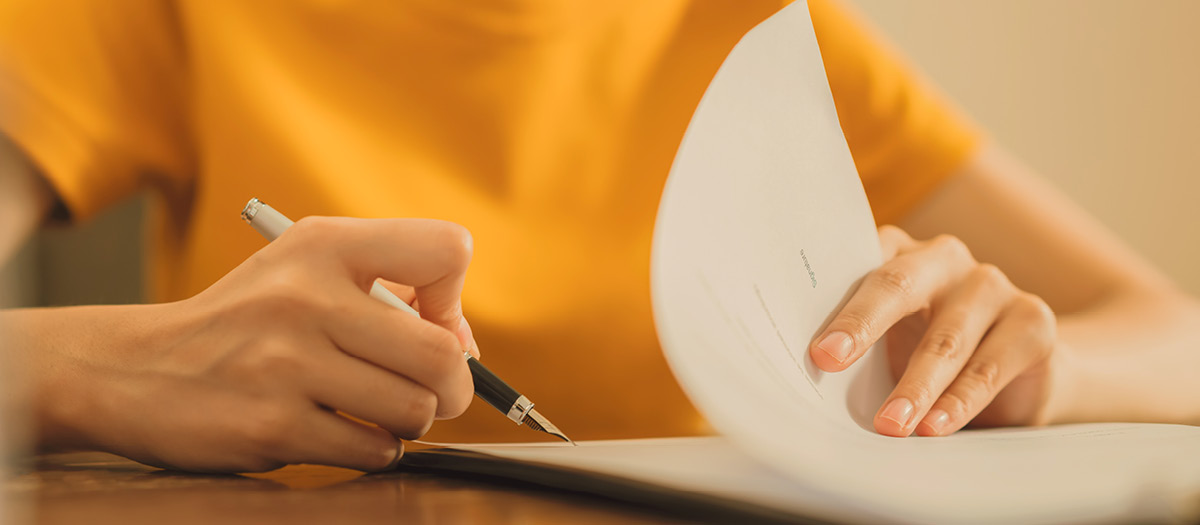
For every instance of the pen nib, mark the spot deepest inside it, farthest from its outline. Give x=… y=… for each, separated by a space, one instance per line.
x=537 y=421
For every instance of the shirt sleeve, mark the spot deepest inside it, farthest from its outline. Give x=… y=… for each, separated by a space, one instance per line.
x=905 y=137
x=93 y=93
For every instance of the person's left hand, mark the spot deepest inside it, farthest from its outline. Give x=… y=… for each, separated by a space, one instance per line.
x=965 y=343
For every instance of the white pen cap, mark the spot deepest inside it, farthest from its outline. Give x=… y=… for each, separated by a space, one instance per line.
x=265 y=219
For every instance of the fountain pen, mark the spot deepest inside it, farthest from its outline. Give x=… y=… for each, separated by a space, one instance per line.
x=489 y=387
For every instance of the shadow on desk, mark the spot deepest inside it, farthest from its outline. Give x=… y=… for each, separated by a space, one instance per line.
x=89 y=487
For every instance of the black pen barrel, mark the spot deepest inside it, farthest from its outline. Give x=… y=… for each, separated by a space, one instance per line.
x=491 y=388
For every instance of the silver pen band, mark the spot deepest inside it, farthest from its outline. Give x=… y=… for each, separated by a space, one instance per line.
x=263 y=218
x=519 y=409
x=251 y=210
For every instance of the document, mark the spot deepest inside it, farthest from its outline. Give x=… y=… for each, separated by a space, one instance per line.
x=762 y=233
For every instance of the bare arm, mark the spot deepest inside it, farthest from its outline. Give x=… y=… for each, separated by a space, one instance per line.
x=1134 y=347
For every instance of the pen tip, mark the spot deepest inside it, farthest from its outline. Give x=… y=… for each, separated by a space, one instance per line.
x=539 y=422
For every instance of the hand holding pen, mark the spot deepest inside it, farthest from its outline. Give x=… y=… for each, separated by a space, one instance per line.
x=488 y=386
x=298 y=328
x=255 y=371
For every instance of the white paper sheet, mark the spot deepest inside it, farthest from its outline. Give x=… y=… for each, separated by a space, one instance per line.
x=762 y=233
x=1111 y=473
x=705 y=465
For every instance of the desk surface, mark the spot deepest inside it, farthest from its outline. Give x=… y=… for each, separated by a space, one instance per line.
x=89 y=487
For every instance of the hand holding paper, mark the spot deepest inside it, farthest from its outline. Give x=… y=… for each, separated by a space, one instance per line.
x=963 y=339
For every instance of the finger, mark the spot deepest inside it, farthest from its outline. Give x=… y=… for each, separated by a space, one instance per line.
x=465 y=334
x=429 y=255
x=409 y=346
x=442 y=303
x=957 y=325
x=900 y=287
x=893 y=240
x=409 y=295
x=403 y=292
x=330 y=439
x=368 y=392
x=1023 y=336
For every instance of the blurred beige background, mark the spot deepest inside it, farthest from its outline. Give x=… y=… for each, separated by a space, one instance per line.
x=1097 y=95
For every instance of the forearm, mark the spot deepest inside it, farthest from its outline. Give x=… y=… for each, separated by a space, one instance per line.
x=58 y=352
x=1133 y=357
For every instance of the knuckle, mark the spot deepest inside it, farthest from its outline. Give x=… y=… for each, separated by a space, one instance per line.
x=1034 y=307
x=272 y=358
x=280 y=296
x=287 y=296
x=1042 y=352
x=981 y=377
x=954 y=404
x=991 y=274
x=421 y=408
x=456 y=244
x=1033 y=311
x=946 y=345
x=857 y=325
x=282 y=359
x=271 y=427
x=895 y=280
x=313 y=228
x=920 y=390
x=1041 y=322
x=893 y=240
x=890 y=229
x=953 y=246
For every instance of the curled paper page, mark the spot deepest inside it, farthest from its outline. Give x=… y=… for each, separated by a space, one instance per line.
x=763 y=232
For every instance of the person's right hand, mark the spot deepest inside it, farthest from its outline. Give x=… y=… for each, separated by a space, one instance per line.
x=248 y=375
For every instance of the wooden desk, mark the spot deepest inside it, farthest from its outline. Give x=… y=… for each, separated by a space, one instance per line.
x=89 y=487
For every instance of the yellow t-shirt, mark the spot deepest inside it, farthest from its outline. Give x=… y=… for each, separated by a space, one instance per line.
x=546 y=127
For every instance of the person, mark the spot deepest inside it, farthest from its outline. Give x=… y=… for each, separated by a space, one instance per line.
x=544 y=129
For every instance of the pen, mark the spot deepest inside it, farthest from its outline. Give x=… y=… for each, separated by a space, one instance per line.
x=271 y=224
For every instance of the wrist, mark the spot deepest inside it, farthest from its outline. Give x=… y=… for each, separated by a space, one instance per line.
x=62 y=393
x=63 y=404
x=76 y=356
x=1063 y=387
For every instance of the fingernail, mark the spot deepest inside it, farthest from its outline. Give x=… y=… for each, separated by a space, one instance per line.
x=899 y=411
x=467 y=337
x=936 y=420
x=837 y=345
x=393 y=456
